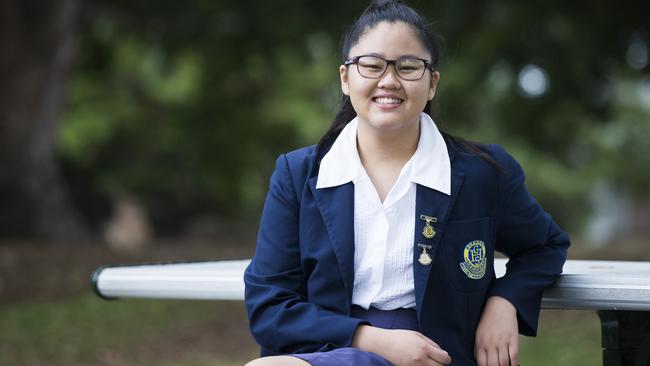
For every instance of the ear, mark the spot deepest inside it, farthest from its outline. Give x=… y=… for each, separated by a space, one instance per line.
x=435 y=78
x=343 y=74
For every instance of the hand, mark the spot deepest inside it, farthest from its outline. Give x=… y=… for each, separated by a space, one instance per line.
x=497 y=342
x=400 y=347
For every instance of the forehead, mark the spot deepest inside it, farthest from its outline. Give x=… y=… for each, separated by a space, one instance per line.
x=390 y=40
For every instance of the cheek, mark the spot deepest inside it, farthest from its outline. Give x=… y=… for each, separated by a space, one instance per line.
x=360 y=89
x=420 y=93
x=362 y=84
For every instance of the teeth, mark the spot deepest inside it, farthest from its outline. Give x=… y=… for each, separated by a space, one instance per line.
x=388 y=100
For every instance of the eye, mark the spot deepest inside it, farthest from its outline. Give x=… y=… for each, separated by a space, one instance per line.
x=371 y=66
x=371 y=63
x=410 y=65
x=408 y=68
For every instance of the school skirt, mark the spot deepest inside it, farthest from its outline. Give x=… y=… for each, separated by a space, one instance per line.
x=387 y=319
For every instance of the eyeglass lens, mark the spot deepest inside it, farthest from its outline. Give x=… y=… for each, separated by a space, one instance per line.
x=407 y=68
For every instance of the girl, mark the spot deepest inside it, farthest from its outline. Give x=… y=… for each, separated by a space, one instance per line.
x=376 y=246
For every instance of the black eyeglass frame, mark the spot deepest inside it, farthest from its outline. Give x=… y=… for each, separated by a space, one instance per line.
x=355 y=60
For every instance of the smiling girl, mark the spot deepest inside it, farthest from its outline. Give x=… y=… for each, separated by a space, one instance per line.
x=376 y=246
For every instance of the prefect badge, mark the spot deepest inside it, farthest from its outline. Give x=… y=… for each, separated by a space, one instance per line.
x=475 y=260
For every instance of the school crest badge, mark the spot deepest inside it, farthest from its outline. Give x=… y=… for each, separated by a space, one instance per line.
x=475 y=260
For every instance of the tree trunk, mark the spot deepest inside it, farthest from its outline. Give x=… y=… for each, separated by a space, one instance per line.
x=37 y=45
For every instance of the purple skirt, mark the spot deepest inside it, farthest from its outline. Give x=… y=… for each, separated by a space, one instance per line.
x=387 y=319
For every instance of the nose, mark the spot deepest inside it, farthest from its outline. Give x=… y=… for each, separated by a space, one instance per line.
x=390 y=79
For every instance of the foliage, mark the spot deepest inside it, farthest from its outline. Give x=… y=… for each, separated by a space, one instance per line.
x=186 y=105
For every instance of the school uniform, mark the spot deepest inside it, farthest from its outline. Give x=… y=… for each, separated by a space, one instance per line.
x=302 y=292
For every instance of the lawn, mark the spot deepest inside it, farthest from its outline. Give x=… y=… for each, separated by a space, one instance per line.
x=49 y=316
x=85 y=330
x=565 y=337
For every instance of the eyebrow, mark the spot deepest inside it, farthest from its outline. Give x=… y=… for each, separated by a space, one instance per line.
x=399 y=58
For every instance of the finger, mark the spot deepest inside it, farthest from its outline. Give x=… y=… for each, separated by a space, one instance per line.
x=492 y=357
x=439 y=355
x=504 y=356
x=513 y=352
x=428 y=340
x=481 y=356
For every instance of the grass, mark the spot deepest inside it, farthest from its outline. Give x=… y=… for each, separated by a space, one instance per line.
x=46 y=320
x=84 y=330
x=565 y=337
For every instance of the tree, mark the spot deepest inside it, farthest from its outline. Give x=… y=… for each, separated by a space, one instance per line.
x=38 y=41
x=185 y=105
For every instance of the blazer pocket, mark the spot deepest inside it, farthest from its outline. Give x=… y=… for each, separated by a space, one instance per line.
x=469 y=252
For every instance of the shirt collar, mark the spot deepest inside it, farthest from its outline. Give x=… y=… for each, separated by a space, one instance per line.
x=341 y=163
x=430 y=165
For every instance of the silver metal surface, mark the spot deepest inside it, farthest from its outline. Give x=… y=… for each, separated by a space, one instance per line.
x=592 y=285
x=219 y=280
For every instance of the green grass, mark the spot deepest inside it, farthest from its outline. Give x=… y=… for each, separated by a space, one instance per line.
x=564 y=337
x=85 y=330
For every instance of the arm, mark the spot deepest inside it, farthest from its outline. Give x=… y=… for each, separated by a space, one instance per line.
x=537 y=249
x=534 y=243
x=280 y=317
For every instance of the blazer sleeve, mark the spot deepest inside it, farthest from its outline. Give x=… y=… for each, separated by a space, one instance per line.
x=280 y=317
x=534 y=243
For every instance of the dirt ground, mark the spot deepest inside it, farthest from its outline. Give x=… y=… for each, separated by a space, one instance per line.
x=44 y=270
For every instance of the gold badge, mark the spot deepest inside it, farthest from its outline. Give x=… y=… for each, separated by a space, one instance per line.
x=475 y=260
x=428 y=230
x=425 y=258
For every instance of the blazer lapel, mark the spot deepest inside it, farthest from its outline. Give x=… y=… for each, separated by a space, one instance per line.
x=336 y=205
x=436 y=204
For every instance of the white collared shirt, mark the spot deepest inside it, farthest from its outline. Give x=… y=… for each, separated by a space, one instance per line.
x=384 y=232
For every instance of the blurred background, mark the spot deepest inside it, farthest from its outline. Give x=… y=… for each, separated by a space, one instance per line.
x=140 y=130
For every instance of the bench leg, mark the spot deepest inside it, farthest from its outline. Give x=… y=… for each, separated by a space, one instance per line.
x=625 y=337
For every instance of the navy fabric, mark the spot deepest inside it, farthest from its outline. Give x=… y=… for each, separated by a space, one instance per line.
x=387 y=319
x=343 y=356
x=299 y=283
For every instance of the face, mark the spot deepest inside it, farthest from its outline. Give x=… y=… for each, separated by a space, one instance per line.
x=388 y=103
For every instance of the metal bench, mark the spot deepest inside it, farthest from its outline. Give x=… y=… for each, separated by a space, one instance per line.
x=618 y=290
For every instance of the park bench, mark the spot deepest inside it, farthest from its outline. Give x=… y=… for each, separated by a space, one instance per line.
x=619 y=291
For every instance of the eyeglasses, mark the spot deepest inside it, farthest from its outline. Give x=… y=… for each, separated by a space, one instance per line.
x=373 y=67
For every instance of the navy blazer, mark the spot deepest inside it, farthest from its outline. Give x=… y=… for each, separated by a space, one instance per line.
x=299 y=283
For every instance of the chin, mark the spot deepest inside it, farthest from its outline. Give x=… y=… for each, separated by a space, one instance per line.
x=391 y=122
x=388 y=124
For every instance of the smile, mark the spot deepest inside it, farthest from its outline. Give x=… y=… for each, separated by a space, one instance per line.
x=384 y=100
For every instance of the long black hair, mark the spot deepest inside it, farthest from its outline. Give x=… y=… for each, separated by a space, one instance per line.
x=391 y=11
